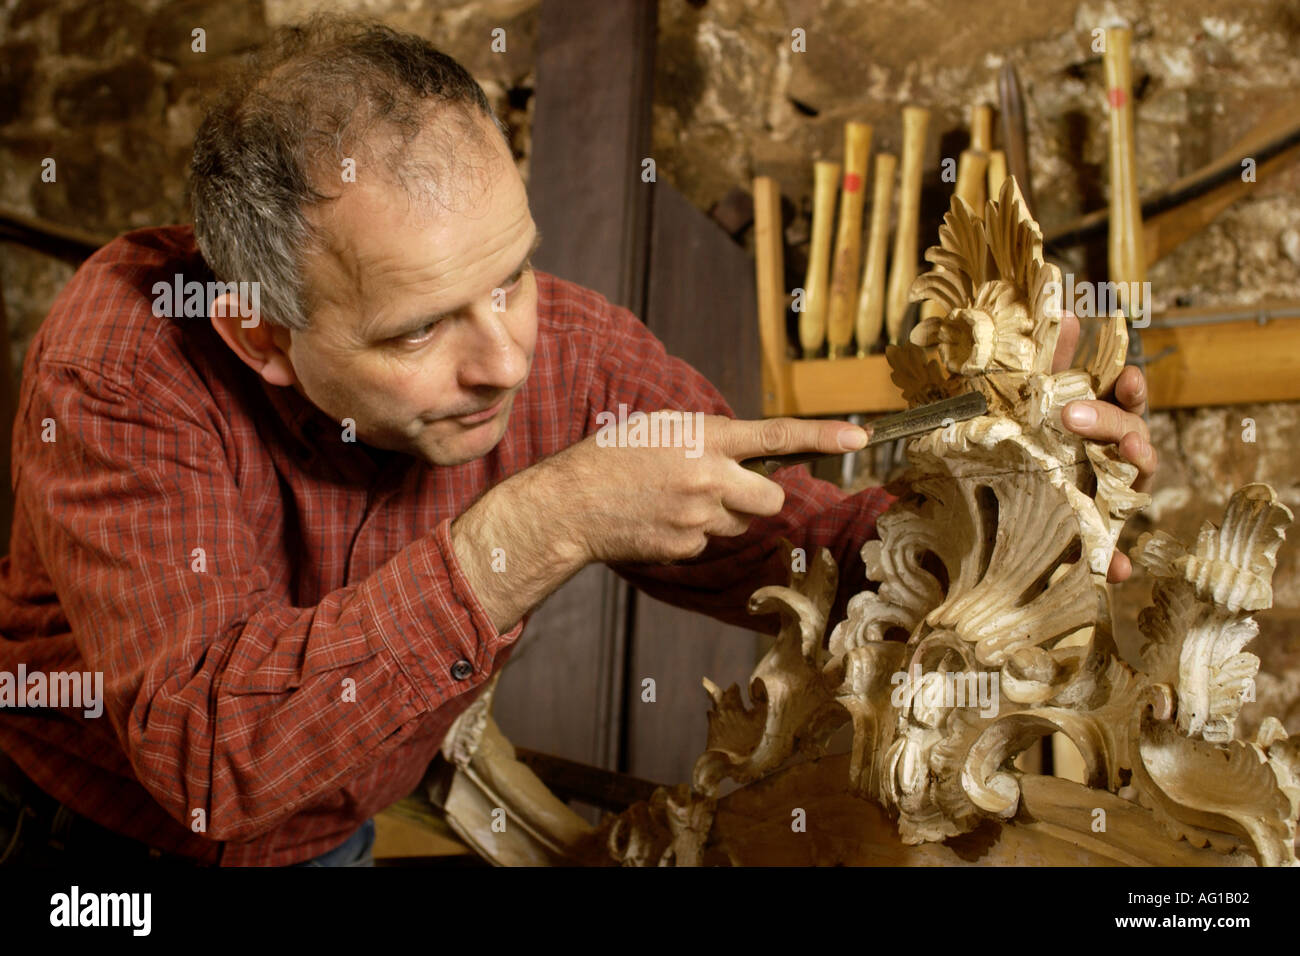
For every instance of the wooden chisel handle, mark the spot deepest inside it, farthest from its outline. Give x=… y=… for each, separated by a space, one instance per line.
x=903 y=268
x=971 y=169
x=871 y=300
x=981 y=129
x=812 y=322
x=769 y=270
x=997 y=172
x=1126 y=255
x=848 y=240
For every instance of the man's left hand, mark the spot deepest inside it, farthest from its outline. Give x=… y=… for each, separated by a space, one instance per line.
x=1117 y=419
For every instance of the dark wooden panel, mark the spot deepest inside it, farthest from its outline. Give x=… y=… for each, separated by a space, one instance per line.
x=701 y=304
x=678 y=648
x=591 y=130
x=701 y=299
x=562 y=692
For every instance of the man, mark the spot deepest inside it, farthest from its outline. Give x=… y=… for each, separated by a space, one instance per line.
x=299 y=537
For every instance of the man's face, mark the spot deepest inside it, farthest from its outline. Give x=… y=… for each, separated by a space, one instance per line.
x=423 y=328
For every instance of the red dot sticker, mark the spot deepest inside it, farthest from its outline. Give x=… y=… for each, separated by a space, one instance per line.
x=1116 y=97
x=852 y=182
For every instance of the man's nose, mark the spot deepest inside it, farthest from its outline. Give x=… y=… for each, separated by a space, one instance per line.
x=492 y=358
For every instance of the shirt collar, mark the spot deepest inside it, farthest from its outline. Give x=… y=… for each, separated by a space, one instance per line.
x=316 y=438
x=301 y=418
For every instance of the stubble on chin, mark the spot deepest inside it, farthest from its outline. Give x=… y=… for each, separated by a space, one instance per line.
x=457 y=450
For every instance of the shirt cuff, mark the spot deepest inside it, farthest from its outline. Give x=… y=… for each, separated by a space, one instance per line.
x=464 y=593
x=427 y=614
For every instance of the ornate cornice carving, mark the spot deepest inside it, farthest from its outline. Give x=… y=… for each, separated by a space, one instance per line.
x=991 y=625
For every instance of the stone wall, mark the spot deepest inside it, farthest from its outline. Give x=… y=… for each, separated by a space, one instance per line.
x=112 y=89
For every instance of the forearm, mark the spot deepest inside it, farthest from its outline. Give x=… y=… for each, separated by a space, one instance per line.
x=516 y=545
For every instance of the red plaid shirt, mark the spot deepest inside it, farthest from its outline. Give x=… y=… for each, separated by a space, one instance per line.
x=294 y=677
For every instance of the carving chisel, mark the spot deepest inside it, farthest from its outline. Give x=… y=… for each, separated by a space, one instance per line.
x=997 y=172
x=1126 y=255
x=902 y=269
x=848 y=242
x=812 y=323
x=871 y=298
x=1015 y=135
x=972 y=172
x=890 y=428
x=981 y=128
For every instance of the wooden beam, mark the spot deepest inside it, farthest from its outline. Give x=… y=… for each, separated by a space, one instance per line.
x=1212 y=363
x=841 y=387
x=68 y=243
x=1222 y=363
x=1167 y=230
x=700 y=303
x=1189 y=204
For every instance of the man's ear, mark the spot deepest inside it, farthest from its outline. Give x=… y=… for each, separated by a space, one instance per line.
x=263 y=347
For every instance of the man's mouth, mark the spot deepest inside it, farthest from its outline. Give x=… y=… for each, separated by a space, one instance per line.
x=479 y=417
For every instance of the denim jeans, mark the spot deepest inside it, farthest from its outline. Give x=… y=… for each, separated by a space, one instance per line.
x=354 y=851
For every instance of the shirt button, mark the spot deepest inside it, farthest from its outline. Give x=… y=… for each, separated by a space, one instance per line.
x=462 y=669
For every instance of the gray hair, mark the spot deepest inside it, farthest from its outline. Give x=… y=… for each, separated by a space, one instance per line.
x=318 y=93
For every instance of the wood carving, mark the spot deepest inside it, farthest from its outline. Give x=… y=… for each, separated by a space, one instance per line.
x=985 y=625
x=496 y=805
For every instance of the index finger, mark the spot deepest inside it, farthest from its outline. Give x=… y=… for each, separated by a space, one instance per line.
x=788 y=436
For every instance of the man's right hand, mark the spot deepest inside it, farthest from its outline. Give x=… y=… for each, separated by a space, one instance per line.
x=601 y=502
x=661 y=504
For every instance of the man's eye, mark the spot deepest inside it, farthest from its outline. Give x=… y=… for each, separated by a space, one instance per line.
x=419 y=335
x=502 y=292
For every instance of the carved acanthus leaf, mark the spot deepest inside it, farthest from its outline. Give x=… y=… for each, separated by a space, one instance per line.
x=668 y=830
x=920 y=378
x=1198 y=625
x=1200 y=789
x=792 y=699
